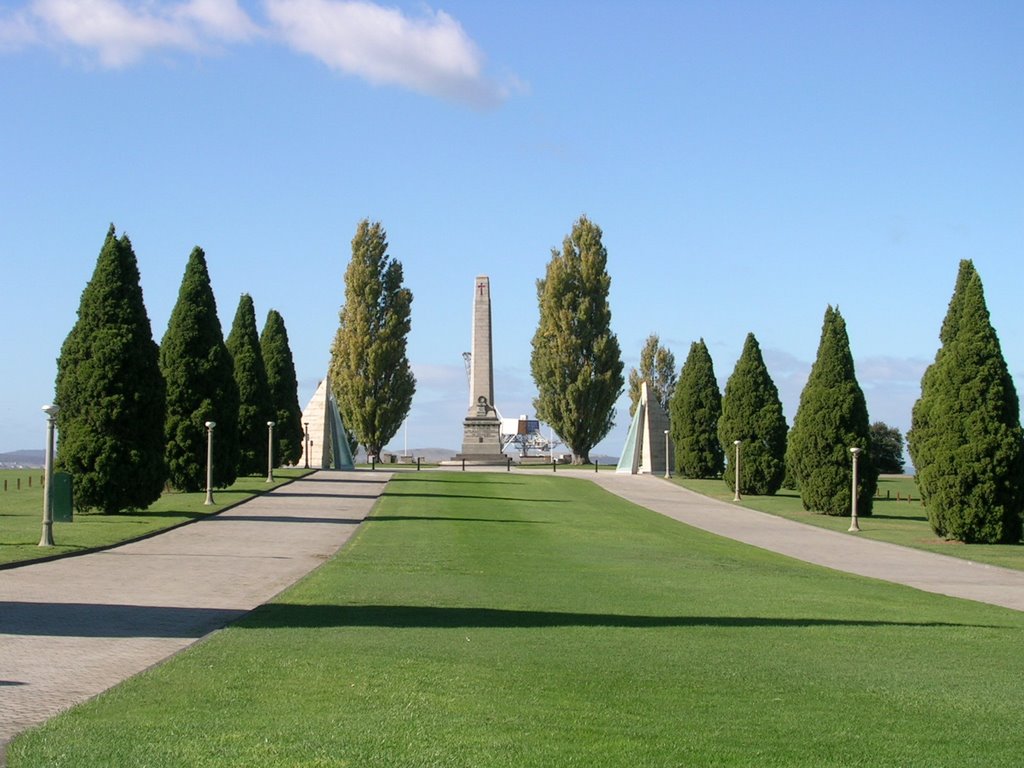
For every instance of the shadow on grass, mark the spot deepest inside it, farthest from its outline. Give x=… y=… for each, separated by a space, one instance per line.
x=278 y=615
x=101 y=620
x=323 y=495
x=876 y=516
x=399 y=518
x=145 y=515
x=470 y=478
x=403 y=495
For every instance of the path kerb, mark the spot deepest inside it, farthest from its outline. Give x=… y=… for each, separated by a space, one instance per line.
x=72 y=628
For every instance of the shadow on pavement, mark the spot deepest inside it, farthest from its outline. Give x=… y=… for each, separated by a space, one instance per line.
x=102 y=620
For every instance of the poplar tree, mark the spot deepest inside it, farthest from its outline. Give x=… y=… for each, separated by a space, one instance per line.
x=832 y=418
x=752 y=413
x=255 y=407
x=576 y=361
x=369 y=370
x=110 y=391
x=200 y=385
x=658 y=369
x=695 y=410
x=284 y=390
x=965 y=439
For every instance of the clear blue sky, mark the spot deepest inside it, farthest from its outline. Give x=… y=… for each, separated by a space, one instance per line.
x=749 y=163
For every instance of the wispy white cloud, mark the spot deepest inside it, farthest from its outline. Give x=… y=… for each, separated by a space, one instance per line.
x=431 y=54
x=220 y=19
x=17 y=31
x=119 y=34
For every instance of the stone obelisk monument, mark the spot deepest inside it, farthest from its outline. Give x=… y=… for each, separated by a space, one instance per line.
x=481 y=438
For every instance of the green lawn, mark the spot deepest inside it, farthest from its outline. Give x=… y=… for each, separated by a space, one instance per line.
x=21 y=514
x=522 y=620
x=898 y=522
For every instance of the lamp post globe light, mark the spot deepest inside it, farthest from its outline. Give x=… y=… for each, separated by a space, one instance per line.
x=668 y=472
x=209 y=461
x=736 y=495
x=305 y=435
x=46 y=539
x=854 y=526
x=270 y=451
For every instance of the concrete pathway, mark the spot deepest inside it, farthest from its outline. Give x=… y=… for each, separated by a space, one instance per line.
x=842 y=551
x=71 y=628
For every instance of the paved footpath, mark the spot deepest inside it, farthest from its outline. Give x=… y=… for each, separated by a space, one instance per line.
x=72 y=628
x=842 y=551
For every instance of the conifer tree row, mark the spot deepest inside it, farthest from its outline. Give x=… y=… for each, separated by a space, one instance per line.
x=965 y=439
x=752 y=414
x=284 y=390
x=832 y=418
x=694 y=412
x=255 y=407
x=110 y=391
x=201 y=385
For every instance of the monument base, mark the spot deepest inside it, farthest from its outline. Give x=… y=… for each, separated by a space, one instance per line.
x=495 y=460
x=481 y=441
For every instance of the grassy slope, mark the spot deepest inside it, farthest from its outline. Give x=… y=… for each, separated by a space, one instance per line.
x=21 y=514
x=898 y=522
x=503 y=620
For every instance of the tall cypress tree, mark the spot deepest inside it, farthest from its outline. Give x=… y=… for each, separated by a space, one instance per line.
x=110 y=391
x=369 y=369
x=255 y=407
x=200 y=385
x=695 y=409
x=832 y=418
x=752 y=413
x=576 y=361
x=284 y=389
x=658 y=369
x=965 y=439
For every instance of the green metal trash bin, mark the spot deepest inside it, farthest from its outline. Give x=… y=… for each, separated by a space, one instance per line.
x=61 y=498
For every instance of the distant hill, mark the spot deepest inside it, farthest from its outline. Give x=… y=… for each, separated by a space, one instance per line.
x=22 y=459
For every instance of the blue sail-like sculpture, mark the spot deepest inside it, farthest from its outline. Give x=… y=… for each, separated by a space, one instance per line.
x=341 y=456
